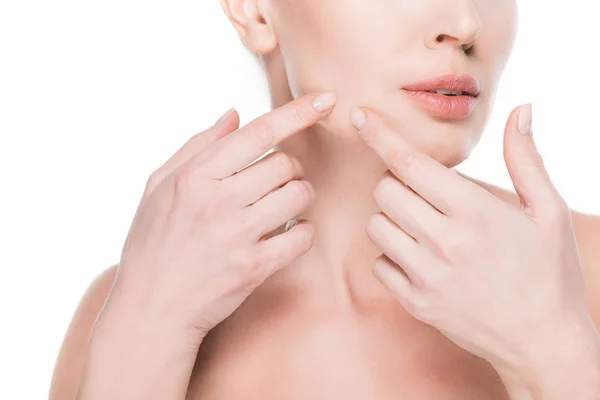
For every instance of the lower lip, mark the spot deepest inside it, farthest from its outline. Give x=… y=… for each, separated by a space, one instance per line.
x=439 y=105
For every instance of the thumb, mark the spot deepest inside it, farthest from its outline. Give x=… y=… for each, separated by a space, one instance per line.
x=526 y=166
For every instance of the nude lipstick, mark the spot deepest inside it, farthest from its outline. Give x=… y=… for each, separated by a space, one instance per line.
x=447 y=96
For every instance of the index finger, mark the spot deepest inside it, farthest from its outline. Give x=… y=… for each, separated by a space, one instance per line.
x=439 y=185
x=235 y=151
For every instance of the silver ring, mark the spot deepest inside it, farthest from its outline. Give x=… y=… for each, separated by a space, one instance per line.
x=290 y=224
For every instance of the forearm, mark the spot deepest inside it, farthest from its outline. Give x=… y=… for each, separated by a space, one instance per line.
x=137 y=355
x=569 y=369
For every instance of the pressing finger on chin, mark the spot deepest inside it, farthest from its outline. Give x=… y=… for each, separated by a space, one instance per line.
x=441 y=186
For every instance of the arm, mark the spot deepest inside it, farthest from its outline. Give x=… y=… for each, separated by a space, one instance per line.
x=69 y=363
x=122 y=349
x=504 y=283
x=587 y=232
x=138 y=350
x=569 y=368
x=187 y=262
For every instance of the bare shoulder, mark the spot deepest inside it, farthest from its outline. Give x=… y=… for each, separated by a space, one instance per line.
x=587 y=233
x=69 y=363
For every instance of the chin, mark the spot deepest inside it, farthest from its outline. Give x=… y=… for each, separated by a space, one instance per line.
x=448 y=142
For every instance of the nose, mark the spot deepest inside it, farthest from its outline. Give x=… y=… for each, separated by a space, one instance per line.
x=458 y=24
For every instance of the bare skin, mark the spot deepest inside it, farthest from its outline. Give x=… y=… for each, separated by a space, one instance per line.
x=397 y=353
x=321 y=326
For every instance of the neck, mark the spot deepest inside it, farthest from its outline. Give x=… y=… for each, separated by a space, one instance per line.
x=344 y=171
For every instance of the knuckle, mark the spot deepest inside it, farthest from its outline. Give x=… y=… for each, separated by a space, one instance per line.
x=431 y=280
x=224 y=194
x=383 y=188
x=190 y=190
x=248 y=268
x=369 y=133
x=154 y=180
x=371 y=225
x=537 y=160
x=378 y=265
x=261 y=135
x=420 y=308
x=209 y=208
x=303 y=114
x=439 y=232
x=475 y=219
x=191 y=141
x=374 y=224
x=411 y=305
x=557 y=211
x=300 y=191
x=184 y=182
x=400 y=161
x=284 y=163
x=307 y=237
x=455 y=245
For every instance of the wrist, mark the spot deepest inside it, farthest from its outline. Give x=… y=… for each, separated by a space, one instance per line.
x=141 y=313
x=145 y=304
x=562 y=363
x=134 y=353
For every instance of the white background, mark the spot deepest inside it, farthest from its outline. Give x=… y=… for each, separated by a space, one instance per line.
x=95 y=95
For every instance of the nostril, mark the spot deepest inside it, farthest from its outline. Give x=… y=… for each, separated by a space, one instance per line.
x=468 y=49
x=440 y=38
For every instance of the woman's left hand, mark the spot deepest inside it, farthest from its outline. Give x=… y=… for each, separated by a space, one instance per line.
x=502 y=282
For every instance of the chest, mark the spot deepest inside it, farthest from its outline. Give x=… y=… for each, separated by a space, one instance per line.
x=338 y=359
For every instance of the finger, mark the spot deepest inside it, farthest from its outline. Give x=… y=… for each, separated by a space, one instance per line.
x=417 y=261
x=281 y=250
x=526 y=166
x=442 y=187
x=279 y=206
x=394 y=279
x=248 y=143
x=269 y=173
x=409 y=211
x=228 y=123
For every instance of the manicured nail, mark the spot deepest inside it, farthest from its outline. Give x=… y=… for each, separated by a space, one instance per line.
x=224 y=116
x=358 y=117
x=525 y=119
x=324 y=101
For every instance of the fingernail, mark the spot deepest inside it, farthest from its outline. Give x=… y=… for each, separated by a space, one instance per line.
x=224 y=116
x=358 y=117
x=324 y=101
x=525 y=119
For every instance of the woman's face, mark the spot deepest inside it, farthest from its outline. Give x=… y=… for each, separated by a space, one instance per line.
x=366 y=50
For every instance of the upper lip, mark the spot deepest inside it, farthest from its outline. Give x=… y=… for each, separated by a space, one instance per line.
x=464 y=83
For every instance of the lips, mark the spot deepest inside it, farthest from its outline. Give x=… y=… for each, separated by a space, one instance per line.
x=443 y=105
x=463 y=83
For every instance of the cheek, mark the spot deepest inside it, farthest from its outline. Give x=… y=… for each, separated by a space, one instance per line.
x=342 y=54
x=448 y=143
x=500 y=21
x=345 y=52
x=339 y=52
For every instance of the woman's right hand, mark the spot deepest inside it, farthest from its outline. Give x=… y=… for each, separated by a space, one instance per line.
x=198 y=245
